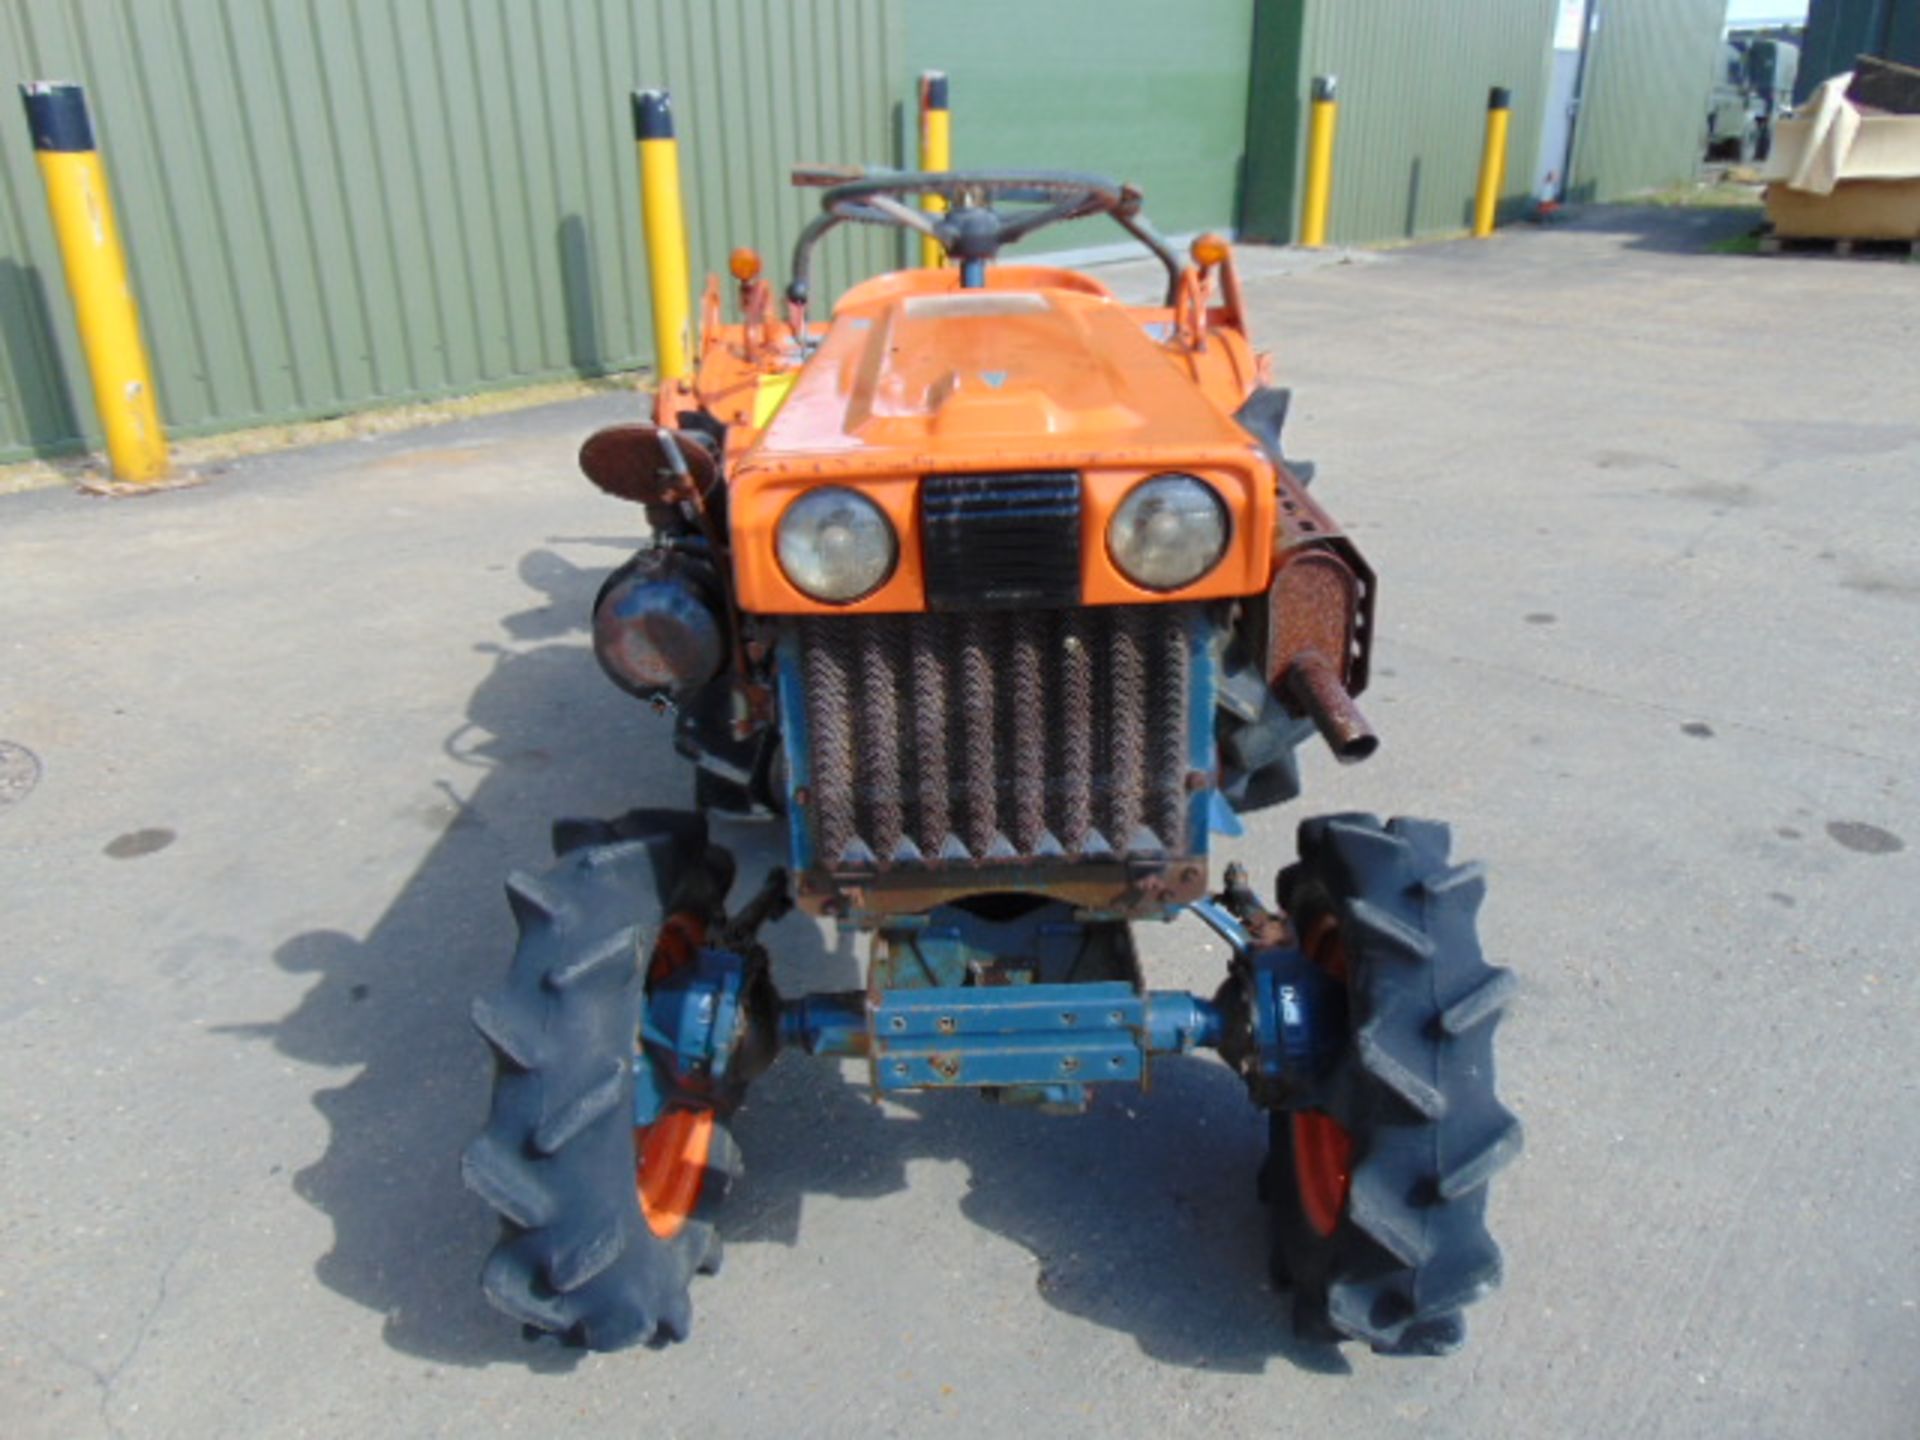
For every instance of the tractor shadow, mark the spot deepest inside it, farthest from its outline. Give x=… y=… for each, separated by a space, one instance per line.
x=1141 y=1215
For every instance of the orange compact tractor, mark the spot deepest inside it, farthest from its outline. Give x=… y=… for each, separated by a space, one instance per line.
x=1002 y=595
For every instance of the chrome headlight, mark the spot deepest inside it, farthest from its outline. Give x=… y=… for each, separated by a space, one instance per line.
x=836 y=545
x=1168 y=532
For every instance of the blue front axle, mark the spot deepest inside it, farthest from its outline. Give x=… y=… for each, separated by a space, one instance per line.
x=1002 y=1035
x=958 y=1001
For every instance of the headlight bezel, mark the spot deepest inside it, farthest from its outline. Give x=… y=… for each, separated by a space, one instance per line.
x=793 y=514
x=1141 y=491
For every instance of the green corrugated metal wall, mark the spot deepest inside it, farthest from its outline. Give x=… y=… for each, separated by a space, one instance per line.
x=1413 y=81
x=336 y=203
x=1838 y=30
x=1151 y=92
x=1643 y=112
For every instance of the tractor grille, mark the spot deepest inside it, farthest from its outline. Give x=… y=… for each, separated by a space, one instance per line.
x=939 y=739
x=1001 y=542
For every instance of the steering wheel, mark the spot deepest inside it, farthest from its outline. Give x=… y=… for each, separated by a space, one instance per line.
x=976 y=224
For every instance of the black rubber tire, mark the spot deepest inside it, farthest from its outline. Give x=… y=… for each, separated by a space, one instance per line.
x=1413 y=1088
x=576 y=1257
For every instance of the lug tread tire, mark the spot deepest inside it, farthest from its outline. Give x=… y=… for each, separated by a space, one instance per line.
x=1414 y=1091
x=576 y=1258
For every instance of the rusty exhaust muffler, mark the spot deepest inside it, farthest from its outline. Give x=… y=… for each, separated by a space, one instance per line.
x=1314 y=687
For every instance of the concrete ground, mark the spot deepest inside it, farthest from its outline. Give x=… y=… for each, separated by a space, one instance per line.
x=1649 y=529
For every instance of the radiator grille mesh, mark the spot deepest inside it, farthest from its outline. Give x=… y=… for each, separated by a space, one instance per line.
x=992 y=735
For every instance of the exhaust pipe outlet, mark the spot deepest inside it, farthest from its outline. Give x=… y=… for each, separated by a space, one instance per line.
x=659 y=630
x=1314 y=689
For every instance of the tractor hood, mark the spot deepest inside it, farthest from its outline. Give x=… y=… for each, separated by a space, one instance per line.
x=917 y=378
x=1022 y=378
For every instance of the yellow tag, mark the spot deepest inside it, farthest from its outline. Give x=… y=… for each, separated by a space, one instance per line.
x=770 y=395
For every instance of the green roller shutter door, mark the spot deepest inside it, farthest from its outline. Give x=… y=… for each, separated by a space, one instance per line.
x=1147 y=91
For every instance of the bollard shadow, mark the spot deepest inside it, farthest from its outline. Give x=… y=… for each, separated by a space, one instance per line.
x=579 y=294
x=1141 y=1216
x=49 y=418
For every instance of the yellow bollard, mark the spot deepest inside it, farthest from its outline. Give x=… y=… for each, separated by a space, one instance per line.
x=1493 y=161
x=96 y=266
x=1320 y=123
x=936 y=153
x=665 y=227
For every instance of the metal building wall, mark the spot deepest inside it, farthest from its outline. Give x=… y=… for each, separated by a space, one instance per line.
x=1643 y=112
x=1147 y=91
x=1838 y=30
x=1413 y=81
x=335 y=203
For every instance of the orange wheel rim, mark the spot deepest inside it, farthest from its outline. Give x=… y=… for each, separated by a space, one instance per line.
x=1324 y=946
x=670 y=1166
x=674 y=948
x=1322 y=1157
x=1322 y=1149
